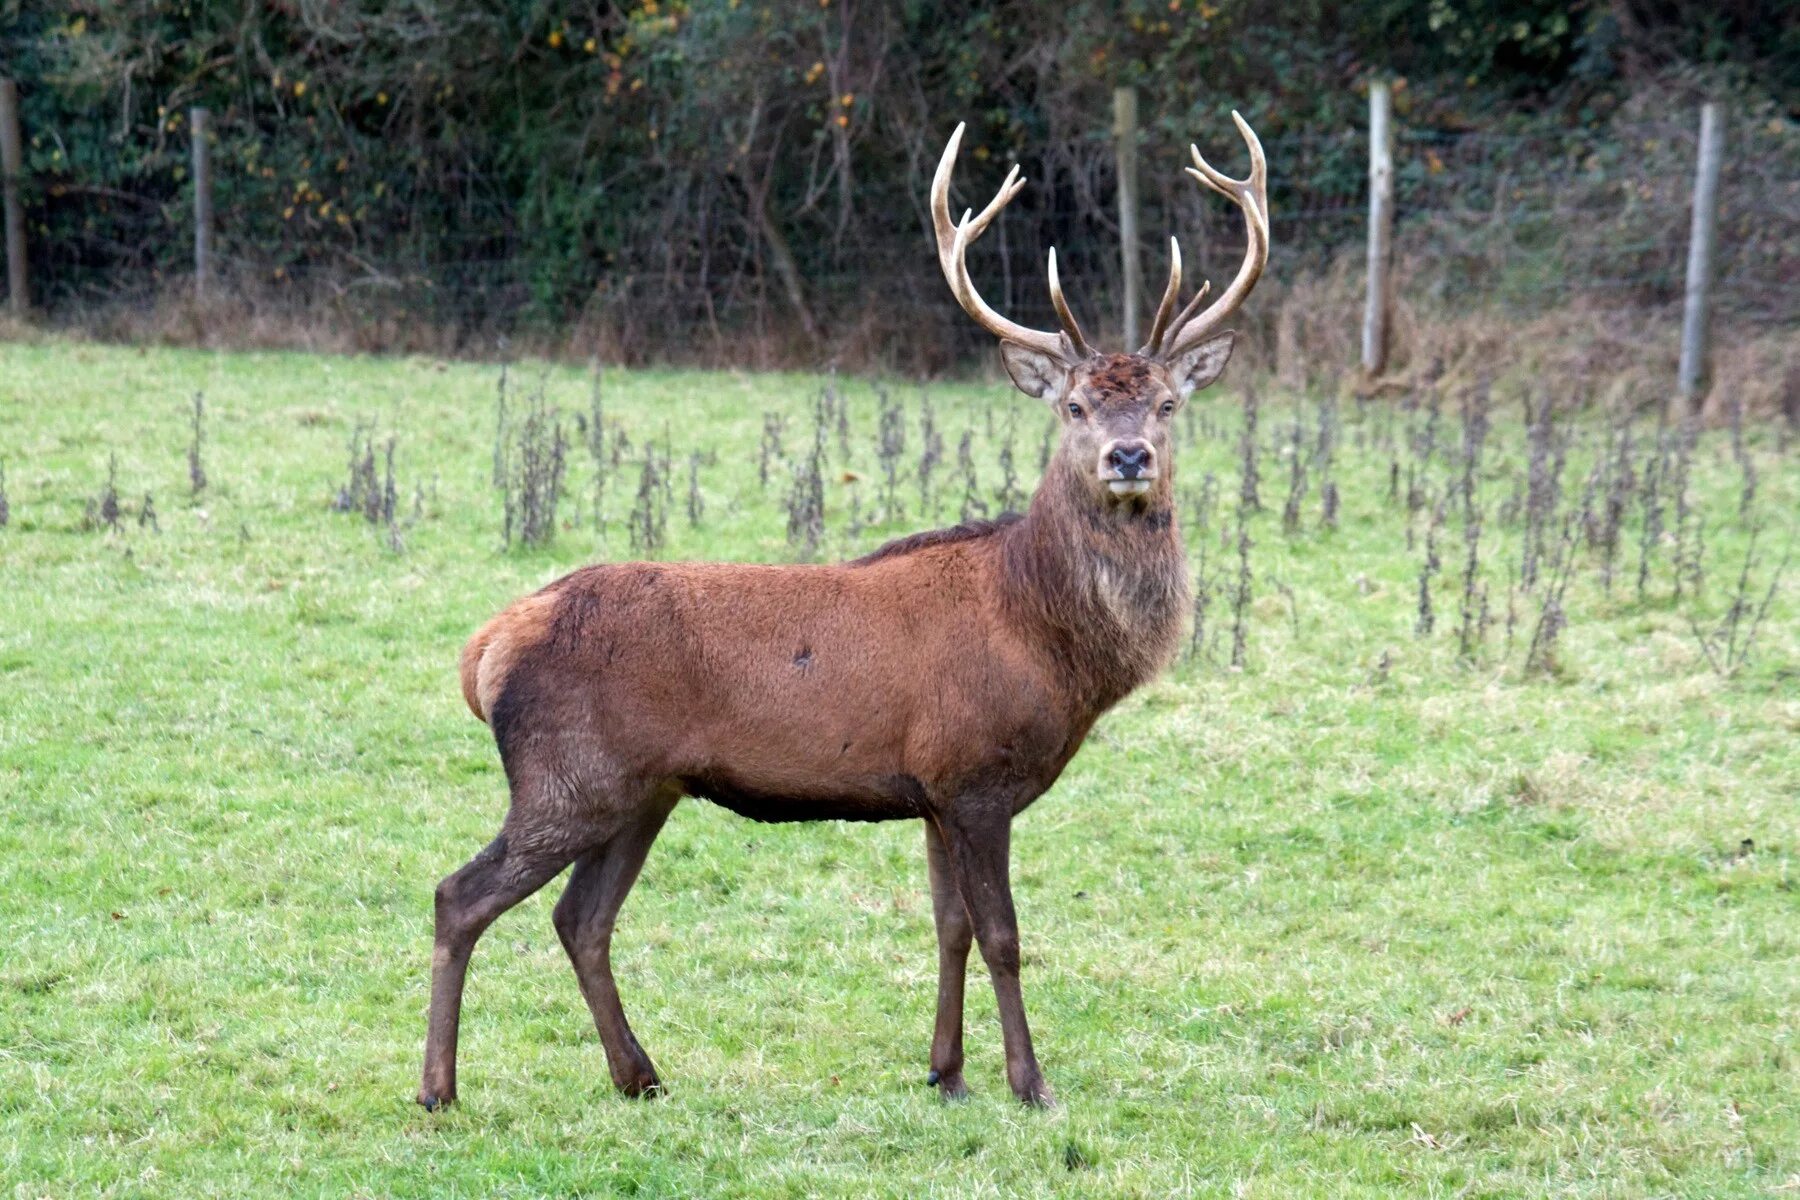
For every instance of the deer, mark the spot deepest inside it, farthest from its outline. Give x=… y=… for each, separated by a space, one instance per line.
x=947 y=678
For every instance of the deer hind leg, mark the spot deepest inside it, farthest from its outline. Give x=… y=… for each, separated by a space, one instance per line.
x=955 y=932
x=979 y=843
x=550 y=823
x=468 y=901
x=584 y=919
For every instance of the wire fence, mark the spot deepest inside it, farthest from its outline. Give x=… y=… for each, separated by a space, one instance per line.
x=1519 y=223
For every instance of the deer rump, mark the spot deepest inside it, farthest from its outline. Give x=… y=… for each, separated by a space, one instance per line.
x=856 y=691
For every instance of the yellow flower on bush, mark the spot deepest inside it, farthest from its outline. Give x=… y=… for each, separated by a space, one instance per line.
x=590 y=45
x=555 y=39
x=813 y=72
x=300 y=87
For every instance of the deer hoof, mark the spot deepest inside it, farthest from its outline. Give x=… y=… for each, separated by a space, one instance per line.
x=642 y=1087
x=431 y=1102
x=949 y=1084
x=1035 y=1093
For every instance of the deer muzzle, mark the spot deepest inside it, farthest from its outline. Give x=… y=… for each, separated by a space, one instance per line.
x=1128 y=466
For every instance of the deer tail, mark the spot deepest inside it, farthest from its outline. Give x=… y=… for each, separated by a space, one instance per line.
x=470 y=667
x=490 y=654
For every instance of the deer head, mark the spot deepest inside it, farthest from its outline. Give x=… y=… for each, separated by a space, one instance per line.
x=1115 y=408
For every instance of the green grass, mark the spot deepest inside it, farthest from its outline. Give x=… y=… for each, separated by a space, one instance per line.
x=1318 y=927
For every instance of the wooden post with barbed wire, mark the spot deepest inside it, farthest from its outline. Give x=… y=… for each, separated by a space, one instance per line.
x=199 y=122
x=1702 y=236
x=1125 y=137
x=12 y=170
x=1381 y=229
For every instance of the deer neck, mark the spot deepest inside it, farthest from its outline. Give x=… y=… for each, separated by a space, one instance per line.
x=1102 y=586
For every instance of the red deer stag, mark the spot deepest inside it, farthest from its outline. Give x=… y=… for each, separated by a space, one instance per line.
x=946 y=678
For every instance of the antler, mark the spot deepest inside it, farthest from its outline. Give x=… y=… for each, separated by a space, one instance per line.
x=1170 y=339
x=953 y=238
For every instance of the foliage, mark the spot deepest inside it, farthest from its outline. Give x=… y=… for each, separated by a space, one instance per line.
x=652 y=163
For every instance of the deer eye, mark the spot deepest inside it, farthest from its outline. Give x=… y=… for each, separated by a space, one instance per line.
x=1168 y=408
x=1075 y=411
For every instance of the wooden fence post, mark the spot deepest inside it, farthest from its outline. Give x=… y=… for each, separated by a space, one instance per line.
x=1702 y=236
x=1381 y=229
x=12 y=169
x=1125 y=138
x=203 y=206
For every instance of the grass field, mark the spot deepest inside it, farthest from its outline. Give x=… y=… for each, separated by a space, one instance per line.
x=1366 y=917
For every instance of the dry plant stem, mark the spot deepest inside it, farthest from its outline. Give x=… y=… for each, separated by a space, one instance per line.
x=105 y=511
x=1728 y=647
x=1241 y=595
x=1540 y=494
x=1650 y=500
x=1009 y=498
x=890 y=447
x=1247 y=453
x=1689 y=554
x=973 y=506
x=500 y=428
x=197 y=470
x=1540 y=655
x=931 y=454
x=533 y=461
x=648 y=521
x=596 y=444
x=1290 y=511
x=1426 y=619
x=1474 y=605
x=696 y=505
x=769 y=449
x=806 y=494
x=1204 y=583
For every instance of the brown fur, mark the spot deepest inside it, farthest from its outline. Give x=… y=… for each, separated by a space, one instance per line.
x=949 y=677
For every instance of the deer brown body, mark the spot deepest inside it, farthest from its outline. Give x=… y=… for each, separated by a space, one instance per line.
x=948 y=678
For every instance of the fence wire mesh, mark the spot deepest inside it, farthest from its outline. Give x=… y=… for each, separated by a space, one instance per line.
x=1515 y=222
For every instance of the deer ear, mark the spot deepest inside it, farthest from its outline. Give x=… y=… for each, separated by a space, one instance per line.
x=1203 y=364
x=1034 y=373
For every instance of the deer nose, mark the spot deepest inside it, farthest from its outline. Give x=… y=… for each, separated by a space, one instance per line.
x=1130 y=459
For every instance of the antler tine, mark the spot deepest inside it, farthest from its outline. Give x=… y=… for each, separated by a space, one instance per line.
x=1252 y=195
x=1189 y=309
x=1063 y=313
x=953 y=238
x=1171 y=294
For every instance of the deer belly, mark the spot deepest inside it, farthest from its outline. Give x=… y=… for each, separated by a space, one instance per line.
x=873 y=797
